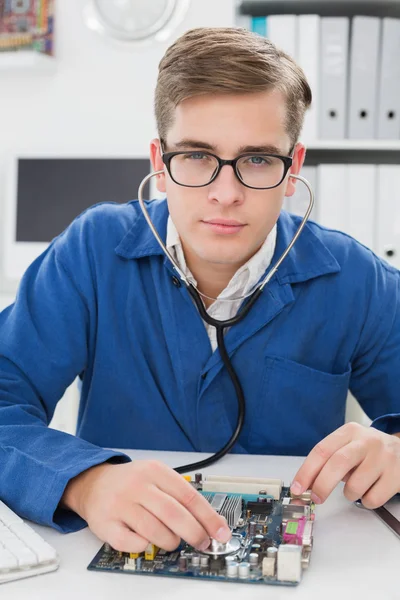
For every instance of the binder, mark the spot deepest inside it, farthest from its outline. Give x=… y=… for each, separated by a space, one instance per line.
x=388 y=214
x=308 y=52
x=259 y=25
x=364 y=53
x=333 y=205
x=282 y=31
x=333 y=77
x=388 y=111
x=301 y=198
x=362 y=200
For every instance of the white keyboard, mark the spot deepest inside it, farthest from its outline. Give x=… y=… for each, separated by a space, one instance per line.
x=23 y=552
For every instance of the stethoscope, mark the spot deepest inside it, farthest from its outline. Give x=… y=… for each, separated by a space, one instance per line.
x=221 y=325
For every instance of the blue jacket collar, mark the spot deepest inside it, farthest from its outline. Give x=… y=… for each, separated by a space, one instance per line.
x=309 y=258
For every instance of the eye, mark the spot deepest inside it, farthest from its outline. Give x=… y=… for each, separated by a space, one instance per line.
x=197 y=156
x=258 y=160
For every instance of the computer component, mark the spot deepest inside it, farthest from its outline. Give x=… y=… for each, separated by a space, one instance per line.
x=272 y=537
x=44 y=192
x=23 y=552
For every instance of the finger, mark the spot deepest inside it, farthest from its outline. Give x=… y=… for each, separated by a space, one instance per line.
x=177 y=518
x=363 y=478
x=348 y=475
x=174 y=485
x=146 y=525
x=335 y=469
x=121 y=538
x=382 y=491
x=320 y=455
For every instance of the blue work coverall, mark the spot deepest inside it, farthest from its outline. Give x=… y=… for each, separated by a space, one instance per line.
x=104 y=303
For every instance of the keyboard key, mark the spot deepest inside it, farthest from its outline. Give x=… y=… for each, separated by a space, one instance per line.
x=23 y=552
x=8 y=516
x=7 y=560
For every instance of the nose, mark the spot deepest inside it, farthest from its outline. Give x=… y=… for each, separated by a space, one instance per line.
x=226 y=189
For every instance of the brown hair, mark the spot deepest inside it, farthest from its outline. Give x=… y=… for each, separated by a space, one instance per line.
x=227 y=60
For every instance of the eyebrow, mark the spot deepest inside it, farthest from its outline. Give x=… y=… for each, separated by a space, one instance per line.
x=197 y=144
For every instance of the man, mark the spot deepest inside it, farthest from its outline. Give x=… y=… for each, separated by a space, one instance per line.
x=105 y=303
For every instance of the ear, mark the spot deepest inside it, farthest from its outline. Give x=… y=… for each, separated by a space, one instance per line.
x=298 y=160
x=157 y=163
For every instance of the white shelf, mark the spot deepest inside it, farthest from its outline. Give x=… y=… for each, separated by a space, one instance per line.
x=26 y=60
x=353 y=145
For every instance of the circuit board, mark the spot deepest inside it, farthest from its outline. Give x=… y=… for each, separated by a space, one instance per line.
x=272 y=537
x=27 y=25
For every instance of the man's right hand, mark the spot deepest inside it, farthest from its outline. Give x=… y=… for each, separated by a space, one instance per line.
x=132 y=504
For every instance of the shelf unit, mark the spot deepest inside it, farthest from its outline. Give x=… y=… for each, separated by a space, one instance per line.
x=373 y=151
x=353 y=152
x=325 y=8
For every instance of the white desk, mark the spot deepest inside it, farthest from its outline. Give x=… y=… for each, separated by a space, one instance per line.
x=354 y=556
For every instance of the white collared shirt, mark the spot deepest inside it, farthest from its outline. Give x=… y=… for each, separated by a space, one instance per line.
x=241 y=283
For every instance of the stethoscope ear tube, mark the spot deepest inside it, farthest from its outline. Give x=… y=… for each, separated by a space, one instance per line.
x=175 y=265
x=221 y=325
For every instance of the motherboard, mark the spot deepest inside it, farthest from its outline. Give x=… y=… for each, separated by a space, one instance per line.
x=272 y=537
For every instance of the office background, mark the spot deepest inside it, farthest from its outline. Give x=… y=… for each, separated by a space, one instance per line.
x=94 y=98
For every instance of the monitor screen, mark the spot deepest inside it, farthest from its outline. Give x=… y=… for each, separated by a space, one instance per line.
x=51 y=192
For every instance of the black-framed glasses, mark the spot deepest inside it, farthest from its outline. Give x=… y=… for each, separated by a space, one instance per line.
x=198 y=168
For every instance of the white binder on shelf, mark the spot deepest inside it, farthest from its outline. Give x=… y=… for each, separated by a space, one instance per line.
x=334 y=44
x=362 y=182
x=388 y=214
x=333 y=205
x=301 y=198
x=364 y=55
x=282 y=31
x=308 y=53
x=388 y=110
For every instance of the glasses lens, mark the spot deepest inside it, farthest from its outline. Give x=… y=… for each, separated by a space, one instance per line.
x=194 y=168
x=260 y=171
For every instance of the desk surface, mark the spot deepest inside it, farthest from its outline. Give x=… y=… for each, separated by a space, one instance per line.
x=354 y=554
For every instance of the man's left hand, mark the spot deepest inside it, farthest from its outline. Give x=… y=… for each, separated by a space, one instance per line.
x=367 y=460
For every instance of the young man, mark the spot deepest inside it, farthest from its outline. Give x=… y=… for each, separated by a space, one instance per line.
x=104 y=302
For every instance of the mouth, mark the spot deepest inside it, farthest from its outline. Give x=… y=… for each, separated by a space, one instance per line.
x=224 y=226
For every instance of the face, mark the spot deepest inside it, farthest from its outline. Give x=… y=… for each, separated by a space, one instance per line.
x=225 y=222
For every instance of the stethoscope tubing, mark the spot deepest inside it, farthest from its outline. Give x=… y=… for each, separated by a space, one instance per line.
x=221 y=325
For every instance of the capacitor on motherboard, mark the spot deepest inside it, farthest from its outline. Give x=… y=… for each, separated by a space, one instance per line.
x=252 y=528
x=256 y=547
x=195 y=560
x=182 y=563
x=232 y=569
x=258 y=538
x=253 y=558
x=204 y=560
x=244 y=570
x=197 y=477
x=272 y=552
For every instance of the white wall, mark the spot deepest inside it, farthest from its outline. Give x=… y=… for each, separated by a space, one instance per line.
x=99 y=99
